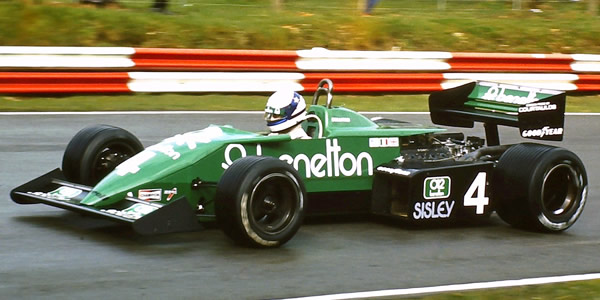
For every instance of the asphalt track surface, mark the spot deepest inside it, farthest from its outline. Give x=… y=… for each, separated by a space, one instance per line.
x=49 y=253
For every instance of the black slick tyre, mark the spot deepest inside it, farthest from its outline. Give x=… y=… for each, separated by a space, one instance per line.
x=97 y=150
x=540 y=188
x=260 y=202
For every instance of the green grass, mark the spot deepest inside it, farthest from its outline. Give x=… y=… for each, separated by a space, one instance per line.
x=172 y=102
x=488 y=26
x=589 y=290
x=152 y=102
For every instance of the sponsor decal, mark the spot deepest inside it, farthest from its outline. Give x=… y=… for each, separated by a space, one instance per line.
x=240 y=149
x=150 y=194
x=533 y=107
x=384 y=142
x=436 y=187
x=63 y=193
x=332 y=163
x=433 y=210
x=170 y=193
x=133 y=212
x=540 y=133
x=340 y=120
x=394 y=171
x=475 y=195
x=441 y=209
x=498 y=93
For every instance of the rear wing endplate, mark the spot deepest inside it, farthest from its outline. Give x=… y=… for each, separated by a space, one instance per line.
x=538 y=113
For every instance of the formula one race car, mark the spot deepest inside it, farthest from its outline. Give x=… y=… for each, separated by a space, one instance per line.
x=258 y=187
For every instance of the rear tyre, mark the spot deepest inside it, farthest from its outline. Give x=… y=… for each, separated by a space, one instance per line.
x=539 y=187
x=97 y=150
x=260 y=202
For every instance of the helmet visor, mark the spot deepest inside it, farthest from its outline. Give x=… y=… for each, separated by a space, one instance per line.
x=274 y=115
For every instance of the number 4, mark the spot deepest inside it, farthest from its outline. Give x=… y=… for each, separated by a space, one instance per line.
x=475 y=195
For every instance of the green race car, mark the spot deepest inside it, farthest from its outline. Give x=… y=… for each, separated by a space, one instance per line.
x=259 y=187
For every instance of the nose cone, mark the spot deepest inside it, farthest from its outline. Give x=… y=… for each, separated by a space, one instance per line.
x=96 y=198
x=154 y=163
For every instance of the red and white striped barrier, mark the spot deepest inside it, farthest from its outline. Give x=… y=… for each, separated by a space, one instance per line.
x=66 y=57
x=122 y=70
x=63 y=83
x=256 y=82
x=316 y=59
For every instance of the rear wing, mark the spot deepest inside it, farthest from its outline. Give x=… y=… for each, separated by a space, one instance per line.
x=538 y=113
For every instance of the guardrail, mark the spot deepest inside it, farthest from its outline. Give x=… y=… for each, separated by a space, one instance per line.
x=64 y=70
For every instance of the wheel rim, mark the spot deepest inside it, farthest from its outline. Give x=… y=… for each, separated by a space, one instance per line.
x=109 y=158
x=274 y=203
x=560 y=190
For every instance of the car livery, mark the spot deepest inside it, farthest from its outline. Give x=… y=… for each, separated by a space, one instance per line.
x=259 y=187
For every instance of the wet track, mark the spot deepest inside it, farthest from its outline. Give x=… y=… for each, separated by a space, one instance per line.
x=46 y=252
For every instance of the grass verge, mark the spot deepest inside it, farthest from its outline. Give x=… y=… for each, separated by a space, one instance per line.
x=218 y=102
x=480 y=26
x=589 y=290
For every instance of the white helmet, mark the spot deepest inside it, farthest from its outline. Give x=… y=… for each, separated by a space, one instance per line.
x=284 y=109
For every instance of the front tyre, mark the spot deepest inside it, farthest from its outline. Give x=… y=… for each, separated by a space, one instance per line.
x=539 y=187
x=260 y=202
x=97 y=150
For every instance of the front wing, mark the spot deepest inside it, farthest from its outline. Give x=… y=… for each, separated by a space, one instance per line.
x=145 y=217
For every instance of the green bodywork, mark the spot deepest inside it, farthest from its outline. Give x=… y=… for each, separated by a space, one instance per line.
x=173 y=184
x=343 y=159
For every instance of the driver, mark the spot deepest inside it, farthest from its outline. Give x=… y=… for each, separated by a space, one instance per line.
x=284 y=112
